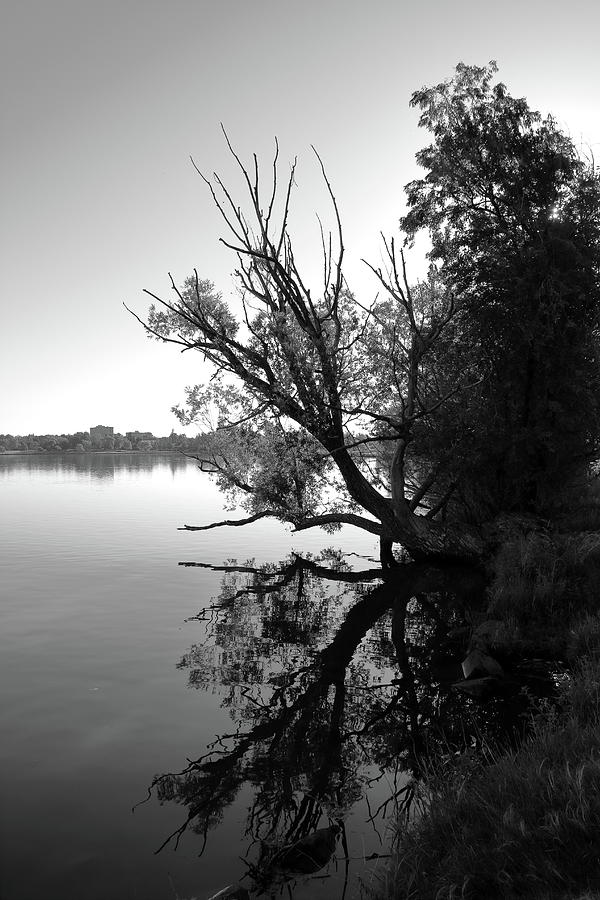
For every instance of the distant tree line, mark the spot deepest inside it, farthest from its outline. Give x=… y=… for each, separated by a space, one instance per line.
x=80 y=442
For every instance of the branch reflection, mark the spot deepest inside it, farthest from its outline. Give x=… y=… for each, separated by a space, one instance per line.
x=334 y=680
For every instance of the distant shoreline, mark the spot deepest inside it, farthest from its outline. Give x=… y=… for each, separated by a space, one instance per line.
x=89 y=452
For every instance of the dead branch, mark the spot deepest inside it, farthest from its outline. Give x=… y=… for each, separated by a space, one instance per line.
x=234 y=522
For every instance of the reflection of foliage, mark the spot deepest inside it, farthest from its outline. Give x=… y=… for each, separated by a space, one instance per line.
x=250 y=642
x=320 y=694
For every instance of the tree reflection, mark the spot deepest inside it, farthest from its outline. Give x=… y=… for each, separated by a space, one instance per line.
x=330 y=675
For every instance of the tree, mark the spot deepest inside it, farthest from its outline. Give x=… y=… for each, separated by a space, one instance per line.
x=512 y=212
x=458 y=375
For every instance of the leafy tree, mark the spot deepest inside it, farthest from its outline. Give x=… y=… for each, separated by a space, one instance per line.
x=512 y=212
x=482 y=381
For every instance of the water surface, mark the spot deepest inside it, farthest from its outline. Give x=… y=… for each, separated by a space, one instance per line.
x=182 y=710
x=99 y=660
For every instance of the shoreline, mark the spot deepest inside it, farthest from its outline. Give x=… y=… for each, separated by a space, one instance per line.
x=84 y=452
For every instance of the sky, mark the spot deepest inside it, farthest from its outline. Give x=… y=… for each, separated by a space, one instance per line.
x=104 y=101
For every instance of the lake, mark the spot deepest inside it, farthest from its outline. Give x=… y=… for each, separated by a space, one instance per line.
x=111 y=675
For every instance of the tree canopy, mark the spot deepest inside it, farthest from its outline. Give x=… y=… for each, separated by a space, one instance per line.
x=512 y=213
x=433 y=412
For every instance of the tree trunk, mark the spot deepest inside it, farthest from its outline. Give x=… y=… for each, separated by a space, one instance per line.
x=386 y=554
x=422 y=537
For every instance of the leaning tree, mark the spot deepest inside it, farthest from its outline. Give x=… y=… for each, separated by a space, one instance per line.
x=441 y=413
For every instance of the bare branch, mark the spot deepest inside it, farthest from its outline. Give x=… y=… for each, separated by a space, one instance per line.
x=370 y=440
x=235 y=522
x=251 y=415
x=339 y=277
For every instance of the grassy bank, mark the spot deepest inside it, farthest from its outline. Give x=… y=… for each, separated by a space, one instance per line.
x=524 y=822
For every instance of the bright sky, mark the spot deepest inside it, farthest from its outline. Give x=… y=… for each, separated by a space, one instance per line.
x=103 y=102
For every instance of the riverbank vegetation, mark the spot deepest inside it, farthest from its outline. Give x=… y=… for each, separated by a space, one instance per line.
x=521 y=818
x=516 y=823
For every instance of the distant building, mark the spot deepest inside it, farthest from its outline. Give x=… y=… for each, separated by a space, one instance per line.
x=100 y=432
x=135 y=436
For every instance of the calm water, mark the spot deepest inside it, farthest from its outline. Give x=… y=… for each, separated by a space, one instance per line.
x=110 y=677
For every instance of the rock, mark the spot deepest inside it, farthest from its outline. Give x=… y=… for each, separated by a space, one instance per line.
x=478 y=664
x=310 y=853
x=232 y=892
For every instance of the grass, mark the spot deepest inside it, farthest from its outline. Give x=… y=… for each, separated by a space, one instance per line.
x=527 y=825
